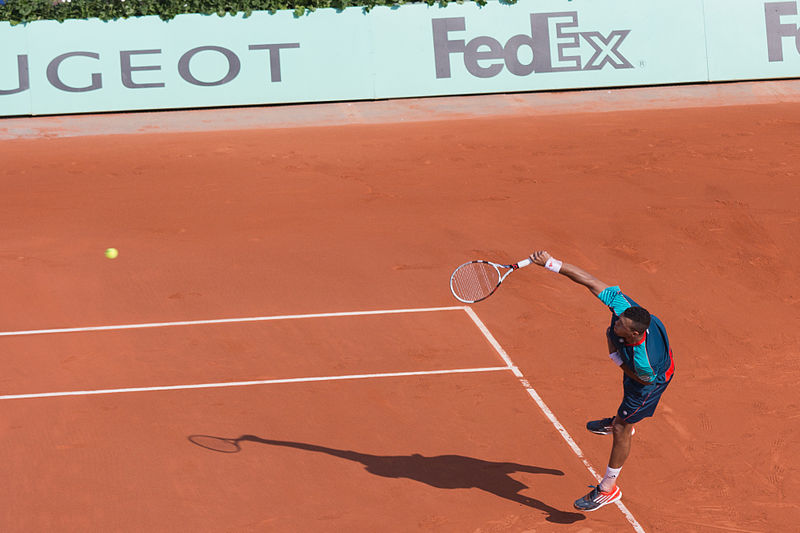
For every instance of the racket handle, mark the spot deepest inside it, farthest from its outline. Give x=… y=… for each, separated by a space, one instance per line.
x=524 y=263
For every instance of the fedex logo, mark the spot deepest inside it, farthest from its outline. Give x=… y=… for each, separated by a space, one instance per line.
x=553 y=45
x=778 y=26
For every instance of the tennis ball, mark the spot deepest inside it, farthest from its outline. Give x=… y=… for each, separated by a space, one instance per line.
x=111 y=253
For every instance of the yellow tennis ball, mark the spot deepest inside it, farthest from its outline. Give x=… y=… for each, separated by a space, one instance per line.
x=111 y=253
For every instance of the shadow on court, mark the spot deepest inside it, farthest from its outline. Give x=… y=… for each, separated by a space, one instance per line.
x=442 y=471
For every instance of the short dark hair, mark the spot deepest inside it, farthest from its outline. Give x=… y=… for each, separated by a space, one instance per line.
x=639 y=316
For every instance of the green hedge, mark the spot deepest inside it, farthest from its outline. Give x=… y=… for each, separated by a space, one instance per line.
x=22 y=11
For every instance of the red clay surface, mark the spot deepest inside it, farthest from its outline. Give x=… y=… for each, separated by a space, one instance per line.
x=694 y=212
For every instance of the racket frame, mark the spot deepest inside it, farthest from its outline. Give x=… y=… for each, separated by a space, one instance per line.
x=501 y=276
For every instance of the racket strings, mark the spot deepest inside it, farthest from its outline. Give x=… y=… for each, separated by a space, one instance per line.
x=475 y=281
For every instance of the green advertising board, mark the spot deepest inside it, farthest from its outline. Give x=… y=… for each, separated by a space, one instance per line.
x=415 y=50
x=752 y=39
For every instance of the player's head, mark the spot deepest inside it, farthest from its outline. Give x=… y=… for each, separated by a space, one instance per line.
x=637 y=320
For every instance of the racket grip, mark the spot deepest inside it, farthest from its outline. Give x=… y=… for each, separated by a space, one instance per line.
x=524 y=262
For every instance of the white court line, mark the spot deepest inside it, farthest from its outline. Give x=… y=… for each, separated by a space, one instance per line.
x=547 y=412
x=224 y=321
x=248 y=383
x=475 y=319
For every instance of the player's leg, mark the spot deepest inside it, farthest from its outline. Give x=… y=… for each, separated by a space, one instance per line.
x=638 y=402
x=622 y=431
x=607 y=490
x=604 y=426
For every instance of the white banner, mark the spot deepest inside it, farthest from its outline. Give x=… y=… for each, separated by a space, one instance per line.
x=415 y=50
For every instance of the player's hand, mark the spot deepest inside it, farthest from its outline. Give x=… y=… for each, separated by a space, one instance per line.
x=540 y=257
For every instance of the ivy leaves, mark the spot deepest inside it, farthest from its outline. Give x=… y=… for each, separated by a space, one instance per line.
x=23 y=11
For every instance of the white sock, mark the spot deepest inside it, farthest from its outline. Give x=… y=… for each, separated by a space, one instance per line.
x=610 y=479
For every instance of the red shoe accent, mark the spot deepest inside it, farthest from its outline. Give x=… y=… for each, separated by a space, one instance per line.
x=610 y=496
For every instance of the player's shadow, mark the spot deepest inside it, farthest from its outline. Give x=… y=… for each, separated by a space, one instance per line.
x=442 y=471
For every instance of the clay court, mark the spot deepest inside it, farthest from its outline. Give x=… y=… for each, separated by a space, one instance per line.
x=276 y=347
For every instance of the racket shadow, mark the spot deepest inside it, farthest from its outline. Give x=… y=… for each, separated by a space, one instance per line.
x=442 y=471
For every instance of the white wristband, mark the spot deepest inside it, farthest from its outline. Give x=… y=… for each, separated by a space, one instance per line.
x=553 y=265
x=616 y=358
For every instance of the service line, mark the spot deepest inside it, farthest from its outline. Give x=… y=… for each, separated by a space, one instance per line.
x=250 y=383
x=224 y=321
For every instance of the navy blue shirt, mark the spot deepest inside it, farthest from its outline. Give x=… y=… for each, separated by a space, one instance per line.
x=650 y=359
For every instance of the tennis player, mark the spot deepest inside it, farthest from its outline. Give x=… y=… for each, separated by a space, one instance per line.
x=638 y=344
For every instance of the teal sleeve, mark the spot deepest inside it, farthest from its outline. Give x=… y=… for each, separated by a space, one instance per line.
x=641 y=363
x=613 y=298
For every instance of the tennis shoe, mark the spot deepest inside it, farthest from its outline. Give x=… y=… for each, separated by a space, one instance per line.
x=601 y=427
x=604 y=426
x=597 y=498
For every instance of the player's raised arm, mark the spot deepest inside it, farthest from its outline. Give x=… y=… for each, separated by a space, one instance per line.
x=576 y=274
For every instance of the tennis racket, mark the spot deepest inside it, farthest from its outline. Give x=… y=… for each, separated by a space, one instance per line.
x=477 y=280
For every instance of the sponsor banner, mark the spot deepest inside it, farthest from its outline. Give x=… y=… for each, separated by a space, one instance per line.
x=538 y=45
x=78 y=66
x=15 y=93
x=190 y=61
x=753 y=39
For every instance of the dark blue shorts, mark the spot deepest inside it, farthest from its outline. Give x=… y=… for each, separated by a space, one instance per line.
x=639 y=401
